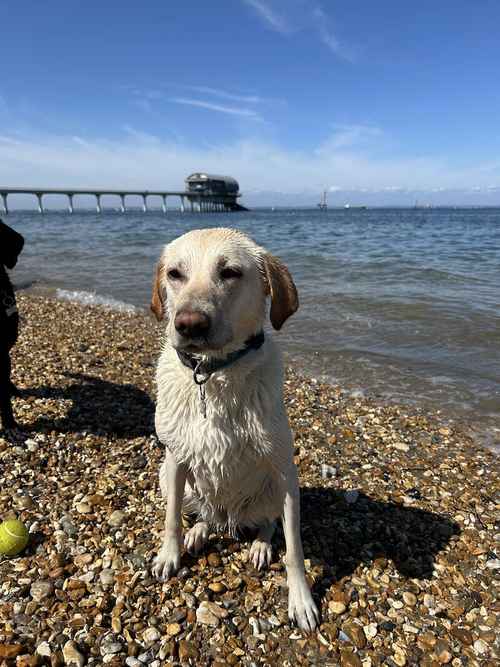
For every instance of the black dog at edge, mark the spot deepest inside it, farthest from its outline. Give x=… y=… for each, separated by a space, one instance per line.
x=11 y=244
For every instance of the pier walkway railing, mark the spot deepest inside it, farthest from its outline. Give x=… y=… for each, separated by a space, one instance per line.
x=196 y=201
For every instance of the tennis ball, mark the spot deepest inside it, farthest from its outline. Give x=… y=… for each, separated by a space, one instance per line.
x=13 y=537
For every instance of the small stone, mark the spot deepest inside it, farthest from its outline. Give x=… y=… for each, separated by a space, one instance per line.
x=133 y=662
x=44 y=650
x=208 y=613
x=146 y=657
x=82 y=559
x=443 y=652
x=72 y=655
x=27 y=661
x=214 y=560
x=370 y=630
x=107 y=577
x=187 y=651
x=184 y=573
x=41 y=590
x=493 y=564
x=399 y=658
x=463 y=635
x=205 y=616
x=117 y=518
x=349 y=659
x=69 y=527
x=10 y=650
x=354 y=632
x=336 y=607
x=23 y=502
x=96 y=499
x=409 y=598
x=388 y=626
x=179 y=615
x=109 y=646
x=328 y=472
x=480 y=647
x=83 y=508
x=151 y=635
x=173 y=629
x=408 y=627
x=401 y=446
x=429 y=601
x=217 y=587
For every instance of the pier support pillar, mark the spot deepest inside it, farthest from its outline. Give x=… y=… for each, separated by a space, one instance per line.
x=4 y=203
x=164 y=204
x=40 y=202
x=70 y=202
x=98 y=203
x=122 y=203
x=183 y=208
x=191 y=205
x=144 y=204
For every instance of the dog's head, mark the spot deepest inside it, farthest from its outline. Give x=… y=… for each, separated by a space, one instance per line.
x=212 y=285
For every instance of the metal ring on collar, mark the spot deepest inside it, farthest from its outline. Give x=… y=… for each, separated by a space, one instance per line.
x=203 y=378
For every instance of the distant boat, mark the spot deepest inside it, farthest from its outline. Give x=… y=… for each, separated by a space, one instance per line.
x=356 y=206
x=323 y=205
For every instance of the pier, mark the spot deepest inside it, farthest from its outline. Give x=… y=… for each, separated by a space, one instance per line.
x=204 y=194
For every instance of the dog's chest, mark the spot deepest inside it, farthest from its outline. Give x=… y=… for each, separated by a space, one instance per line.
x=229 y=441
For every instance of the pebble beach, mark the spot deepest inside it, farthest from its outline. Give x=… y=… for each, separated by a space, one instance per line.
x=400 y=522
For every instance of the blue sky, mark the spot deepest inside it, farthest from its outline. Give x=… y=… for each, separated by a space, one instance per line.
x=389 y=99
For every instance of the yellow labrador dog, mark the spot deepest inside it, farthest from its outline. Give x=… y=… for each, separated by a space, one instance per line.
x=220 y=411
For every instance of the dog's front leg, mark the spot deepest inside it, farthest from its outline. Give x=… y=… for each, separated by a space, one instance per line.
x=174 y=478
x=301 y=607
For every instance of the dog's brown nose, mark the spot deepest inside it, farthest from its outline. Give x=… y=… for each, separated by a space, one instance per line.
x=192 y=324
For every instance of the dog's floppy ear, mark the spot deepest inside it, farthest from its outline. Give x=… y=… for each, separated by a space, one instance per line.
x=157 y=296
x=280 y=286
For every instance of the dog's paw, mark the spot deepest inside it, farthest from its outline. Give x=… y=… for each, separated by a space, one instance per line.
x=168 y=561
x=196 y=537
x=302 y=610
x=260 y=554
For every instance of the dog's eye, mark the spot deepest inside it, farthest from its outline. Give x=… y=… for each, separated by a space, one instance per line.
x=175 y=274
x=227 y=273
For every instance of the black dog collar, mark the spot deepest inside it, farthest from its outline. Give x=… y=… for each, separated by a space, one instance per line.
x=203 y=370
x=213 y=365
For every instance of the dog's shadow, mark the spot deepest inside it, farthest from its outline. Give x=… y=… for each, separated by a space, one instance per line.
x=341 y=536
x=97 y=406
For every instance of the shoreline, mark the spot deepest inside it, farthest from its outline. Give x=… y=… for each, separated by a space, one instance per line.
x=485 y=429
x=398 y=521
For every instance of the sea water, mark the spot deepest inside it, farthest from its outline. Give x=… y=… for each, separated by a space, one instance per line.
x=400 y=304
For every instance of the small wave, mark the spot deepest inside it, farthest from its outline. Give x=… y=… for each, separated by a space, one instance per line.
x=93 y=299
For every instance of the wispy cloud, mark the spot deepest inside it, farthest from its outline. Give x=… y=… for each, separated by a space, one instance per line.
x=202 y=104
x=224 y=94
x=328 y=37
x=140 y=135
x=348 y=137
x=271 y=18
x=301 y=17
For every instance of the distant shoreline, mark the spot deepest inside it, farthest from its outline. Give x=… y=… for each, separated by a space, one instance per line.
x=270 y=207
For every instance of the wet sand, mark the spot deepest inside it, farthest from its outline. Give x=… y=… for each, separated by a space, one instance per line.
x=399 y=518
